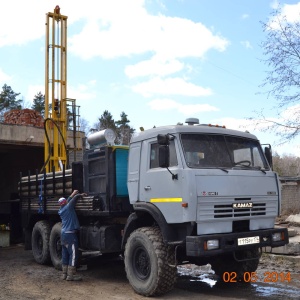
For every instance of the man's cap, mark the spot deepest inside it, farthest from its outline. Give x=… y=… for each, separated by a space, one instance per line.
x=62 y=201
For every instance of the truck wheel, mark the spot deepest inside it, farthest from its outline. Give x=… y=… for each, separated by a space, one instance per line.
x=55 y=246
x=229 y=264
x=40 y=242
x=147 y=261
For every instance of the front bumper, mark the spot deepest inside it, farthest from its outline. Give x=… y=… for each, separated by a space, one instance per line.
x=228 y=242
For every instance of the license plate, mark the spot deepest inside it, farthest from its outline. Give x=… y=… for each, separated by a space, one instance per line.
x=248 y=240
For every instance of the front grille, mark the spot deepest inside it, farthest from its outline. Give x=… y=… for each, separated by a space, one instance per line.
x=226 y=211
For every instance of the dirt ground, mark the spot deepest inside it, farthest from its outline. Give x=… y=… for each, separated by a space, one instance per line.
x=22 y=278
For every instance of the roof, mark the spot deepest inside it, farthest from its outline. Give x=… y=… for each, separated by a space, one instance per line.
x=173 y=129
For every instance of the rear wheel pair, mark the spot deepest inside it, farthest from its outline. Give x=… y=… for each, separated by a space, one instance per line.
x=149 y=262
x=46 y=246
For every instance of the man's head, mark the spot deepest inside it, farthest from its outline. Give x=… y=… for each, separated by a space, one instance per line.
x=62 y=201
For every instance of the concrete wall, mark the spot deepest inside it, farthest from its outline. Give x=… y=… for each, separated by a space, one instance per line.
x=18 y=134
x=29 y=135
x=290 y=193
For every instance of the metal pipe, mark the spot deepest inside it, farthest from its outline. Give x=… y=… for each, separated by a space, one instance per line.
x=58 y=174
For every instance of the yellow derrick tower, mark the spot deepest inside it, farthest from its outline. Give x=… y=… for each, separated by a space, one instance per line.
x=61 y=113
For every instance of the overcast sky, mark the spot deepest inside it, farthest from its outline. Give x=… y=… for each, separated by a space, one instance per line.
x=159 y=61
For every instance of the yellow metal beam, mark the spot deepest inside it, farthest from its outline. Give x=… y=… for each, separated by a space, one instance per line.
x=56 y=91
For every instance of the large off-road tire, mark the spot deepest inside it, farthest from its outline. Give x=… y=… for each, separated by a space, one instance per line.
x=40 y=242
x=239 y=268
x=55 y=246
x=149 y=262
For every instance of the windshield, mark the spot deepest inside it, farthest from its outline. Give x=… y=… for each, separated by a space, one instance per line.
x=219 y=151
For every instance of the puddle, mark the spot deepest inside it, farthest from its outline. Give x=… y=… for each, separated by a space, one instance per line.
x=202 y=280
x=274 y=292
x=198 y=273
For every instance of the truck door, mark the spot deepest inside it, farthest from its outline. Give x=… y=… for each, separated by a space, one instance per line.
x=133 y=172
x=157 y=185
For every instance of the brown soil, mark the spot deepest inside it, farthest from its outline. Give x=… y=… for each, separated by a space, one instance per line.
x=22 y=278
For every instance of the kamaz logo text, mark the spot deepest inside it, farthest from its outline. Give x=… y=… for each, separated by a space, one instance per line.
x=242 y=205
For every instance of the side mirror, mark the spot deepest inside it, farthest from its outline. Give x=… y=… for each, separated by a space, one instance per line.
x=164 y=155
x=163 y=139
x=268 y=154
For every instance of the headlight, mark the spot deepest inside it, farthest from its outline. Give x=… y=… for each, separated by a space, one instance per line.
x=212 y=244
x=276 y=237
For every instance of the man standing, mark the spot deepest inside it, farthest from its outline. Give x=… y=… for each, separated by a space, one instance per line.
x=69 y=238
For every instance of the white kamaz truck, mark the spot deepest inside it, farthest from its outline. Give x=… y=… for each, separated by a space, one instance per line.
x=183 y=193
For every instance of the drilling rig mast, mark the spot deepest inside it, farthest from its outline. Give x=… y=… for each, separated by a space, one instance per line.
x=57 y=113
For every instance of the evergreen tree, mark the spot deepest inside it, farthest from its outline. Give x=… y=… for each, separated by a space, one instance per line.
x=124 y=131
x=8 y=100
x=120 y=127
x=106 y=121
x=39 y=103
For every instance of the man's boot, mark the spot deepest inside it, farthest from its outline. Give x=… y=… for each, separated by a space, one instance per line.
x=72 y=274
x=64 y=272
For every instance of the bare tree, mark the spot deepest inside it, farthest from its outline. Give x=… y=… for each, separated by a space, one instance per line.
x=84 y=126
x=282 y=51
x=286 y=165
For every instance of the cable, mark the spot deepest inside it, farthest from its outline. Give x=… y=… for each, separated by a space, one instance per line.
x=48 y=140
x=231 y=73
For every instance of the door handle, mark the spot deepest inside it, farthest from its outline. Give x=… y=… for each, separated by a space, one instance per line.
x=147 y=188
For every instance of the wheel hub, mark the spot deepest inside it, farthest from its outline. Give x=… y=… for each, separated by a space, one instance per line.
x=141 y=263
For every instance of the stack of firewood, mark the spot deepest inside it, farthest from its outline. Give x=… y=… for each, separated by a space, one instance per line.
x=24 y=117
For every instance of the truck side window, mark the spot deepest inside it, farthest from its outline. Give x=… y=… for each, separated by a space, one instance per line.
x=154 y=162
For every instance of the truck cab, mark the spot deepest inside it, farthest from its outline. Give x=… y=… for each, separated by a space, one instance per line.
x=223 y=180
x=210 y=190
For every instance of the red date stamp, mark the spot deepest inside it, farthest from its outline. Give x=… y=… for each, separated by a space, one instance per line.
x=254 y=277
